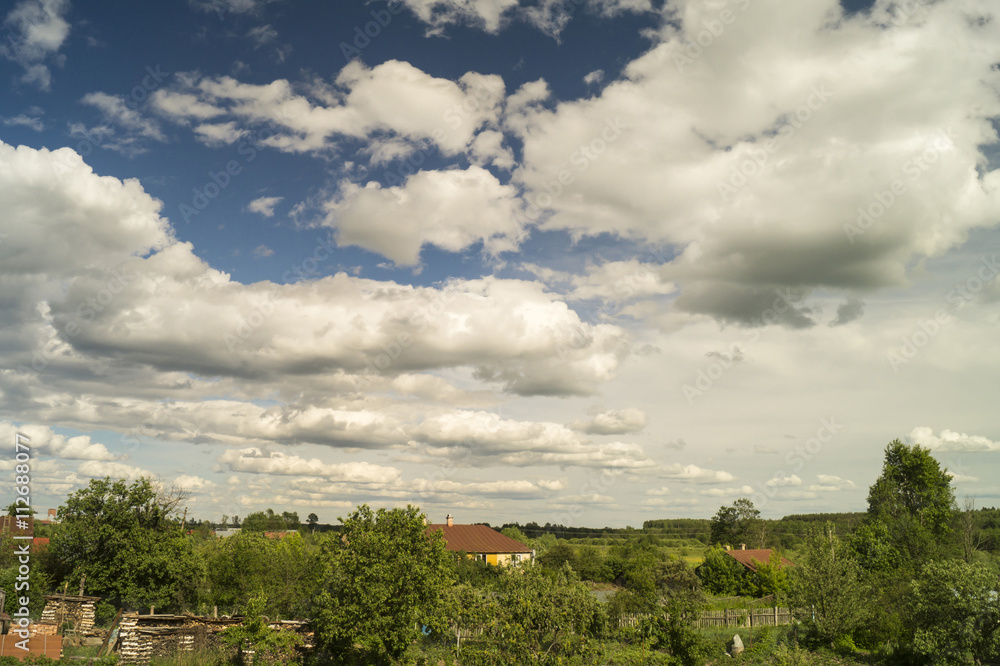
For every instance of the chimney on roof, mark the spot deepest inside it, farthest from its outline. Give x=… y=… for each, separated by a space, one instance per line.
x=743 y=546
x=451 y=521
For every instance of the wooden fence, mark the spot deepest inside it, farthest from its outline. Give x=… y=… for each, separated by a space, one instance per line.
x=733 y=617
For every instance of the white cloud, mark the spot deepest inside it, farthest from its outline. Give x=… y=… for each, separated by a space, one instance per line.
x=264 y=205
x=182 y=107
x=484 y=438
x=119 y=114
x=31 y=122
x=651 y=157
x=38 y=29
x=950 y=440
x=277 y=463
x=742 y=491
x=448 y=209
x=94 y=469
x=193 y=483
x=44 y=440
x=695 y=474
x=262 y=251
x=783 y=481
x=613 y=422
x=439 y=13
x=217 y=134
x=829 y=483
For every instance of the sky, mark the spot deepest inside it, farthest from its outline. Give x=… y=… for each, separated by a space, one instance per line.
x=584 y=262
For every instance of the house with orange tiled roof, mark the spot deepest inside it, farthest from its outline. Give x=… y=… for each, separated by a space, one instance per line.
x=482 y=542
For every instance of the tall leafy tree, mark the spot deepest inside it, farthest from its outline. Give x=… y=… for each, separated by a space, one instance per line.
x=387 y=577
x=127 y=542
x=914 y=500
x=738 y=524
x=826 y=588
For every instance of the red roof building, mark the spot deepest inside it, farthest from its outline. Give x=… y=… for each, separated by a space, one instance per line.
x=482 y=542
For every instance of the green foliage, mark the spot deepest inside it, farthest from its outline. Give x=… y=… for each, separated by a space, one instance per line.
x=913 y=498
x=826 y=590
x=720 y=573
x=386 y=578
x=770 y=578
x=254 y=639
x=526 y=613
x=38 y=584
x=956 y=612
x=284 y=570
x=104 y=614
x=738 y=524
x=122 y=537
x=269 y=521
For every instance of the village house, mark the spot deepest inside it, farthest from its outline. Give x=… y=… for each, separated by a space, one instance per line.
x=482 y=542
x=754 y=557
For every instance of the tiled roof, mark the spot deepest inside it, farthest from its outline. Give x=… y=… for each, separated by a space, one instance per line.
x=753 y=557
x=478 y=539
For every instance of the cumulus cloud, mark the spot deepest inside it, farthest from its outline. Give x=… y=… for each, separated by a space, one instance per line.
x=659 y=155
x=949 y=440
x=264 y=205
x=275 y=462
x=828 y=483
x=783 y=481
x=613 y=422
x=95 y=469
x=695 y=474
x=449 y=209
x=193 y=483
x=38 y=29
x=392 y=99
x=44 y=440
x=480 y=438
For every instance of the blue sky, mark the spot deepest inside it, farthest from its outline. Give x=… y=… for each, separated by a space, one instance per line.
x=586 y=262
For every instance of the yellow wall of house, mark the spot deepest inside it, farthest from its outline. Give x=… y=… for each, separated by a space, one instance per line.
x=491 y=558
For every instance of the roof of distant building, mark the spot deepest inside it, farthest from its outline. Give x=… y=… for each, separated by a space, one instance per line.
x=477 y=539
x=754 y=557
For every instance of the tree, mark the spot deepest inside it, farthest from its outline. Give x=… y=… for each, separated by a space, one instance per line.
x=972 y=535
x=826 y=589
x=269 y=521
x=771 y=578
x=280 y=570
x=956 y=612
x=386 y=578
x=24 y=511
x=720 y=573
x=311 y=521
x=124 y=539
x=738 y=524
x=913 y=498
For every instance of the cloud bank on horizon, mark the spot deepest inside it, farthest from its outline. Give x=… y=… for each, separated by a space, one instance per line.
x=447 y=252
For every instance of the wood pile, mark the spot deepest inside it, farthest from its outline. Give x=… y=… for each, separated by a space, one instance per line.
x=78 y=610
x=142 y=637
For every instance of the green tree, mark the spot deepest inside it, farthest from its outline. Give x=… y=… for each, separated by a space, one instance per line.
x=282 y=571
x=738 y=524
x=956 y=613
x=386 y=578
x=914 y=499
x=826 y=588
x=527 y=613
x=124 y=539
x=312 y=521
x=720 y=573
x=771 y=578
x=269 y=521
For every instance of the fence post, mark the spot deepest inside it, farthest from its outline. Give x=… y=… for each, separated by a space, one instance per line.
x=776 y=616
